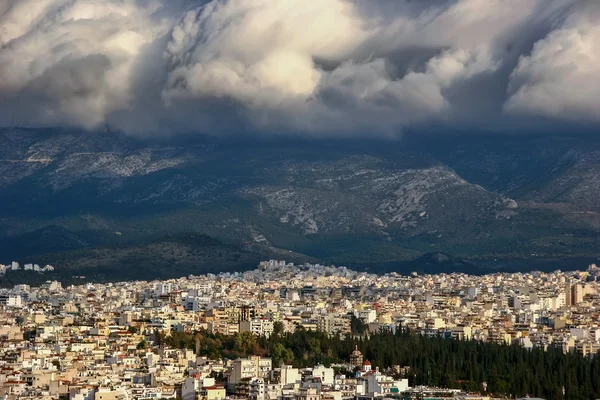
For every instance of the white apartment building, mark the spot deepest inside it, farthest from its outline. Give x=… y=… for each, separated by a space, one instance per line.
x=258 y=326
x=246 y=368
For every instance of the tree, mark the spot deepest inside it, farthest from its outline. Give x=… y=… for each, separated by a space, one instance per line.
x=357 y=326
x=280 y=354
x=244 y=342
x=278 y=330
x=218 y=376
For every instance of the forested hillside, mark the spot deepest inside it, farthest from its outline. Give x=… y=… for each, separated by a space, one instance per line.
x=470 y=365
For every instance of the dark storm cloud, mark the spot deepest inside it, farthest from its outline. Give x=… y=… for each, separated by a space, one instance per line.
x=327 y=67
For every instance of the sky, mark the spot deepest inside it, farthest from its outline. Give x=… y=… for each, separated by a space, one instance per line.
x=300 y=67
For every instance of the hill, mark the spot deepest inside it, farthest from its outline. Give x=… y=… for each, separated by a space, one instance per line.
x=484 y=199
x=168 y=257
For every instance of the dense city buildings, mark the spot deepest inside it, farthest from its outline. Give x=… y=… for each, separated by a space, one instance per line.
x=107 y=341
x=15 y=266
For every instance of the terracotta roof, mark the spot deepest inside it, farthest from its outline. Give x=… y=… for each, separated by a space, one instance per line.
x=216 y=387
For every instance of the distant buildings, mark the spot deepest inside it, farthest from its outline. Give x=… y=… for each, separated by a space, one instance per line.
x=99 y=341
x=15 y=266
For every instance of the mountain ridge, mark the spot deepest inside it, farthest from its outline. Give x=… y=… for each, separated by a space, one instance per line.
x=336 y=201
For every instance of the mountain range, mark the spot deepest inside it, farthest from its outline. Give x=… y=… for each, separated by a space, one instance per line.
x=143 y=207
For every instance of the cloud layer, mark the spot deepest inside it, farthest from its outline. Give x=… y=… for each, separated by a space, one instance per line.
x=327 y=67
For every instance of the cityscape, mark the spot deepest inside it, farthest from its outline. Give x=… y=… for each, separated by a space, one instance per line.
x=115 y=340
x=300 y=199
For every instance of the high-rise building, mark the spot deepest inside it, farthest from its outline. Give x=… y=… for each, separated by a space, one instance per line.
x=568 y=295
x=577 y=294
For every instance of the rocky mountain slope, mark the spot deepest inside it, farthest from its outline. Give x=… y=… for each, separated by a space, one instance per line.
x=341 y=201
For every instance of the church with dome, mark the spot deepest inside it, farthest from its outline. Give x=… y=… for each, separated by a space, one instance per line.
x=356 y=358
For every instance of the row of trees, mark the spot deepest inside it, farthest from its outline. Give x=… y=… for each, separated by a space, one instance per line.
x=470 y=365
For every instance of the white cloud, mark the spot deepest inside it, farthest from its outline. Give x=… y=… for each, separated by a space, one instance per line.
x=269 y=56
x=560 y=77
x=74 y=59
x=258 y=52
x=327 y=66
